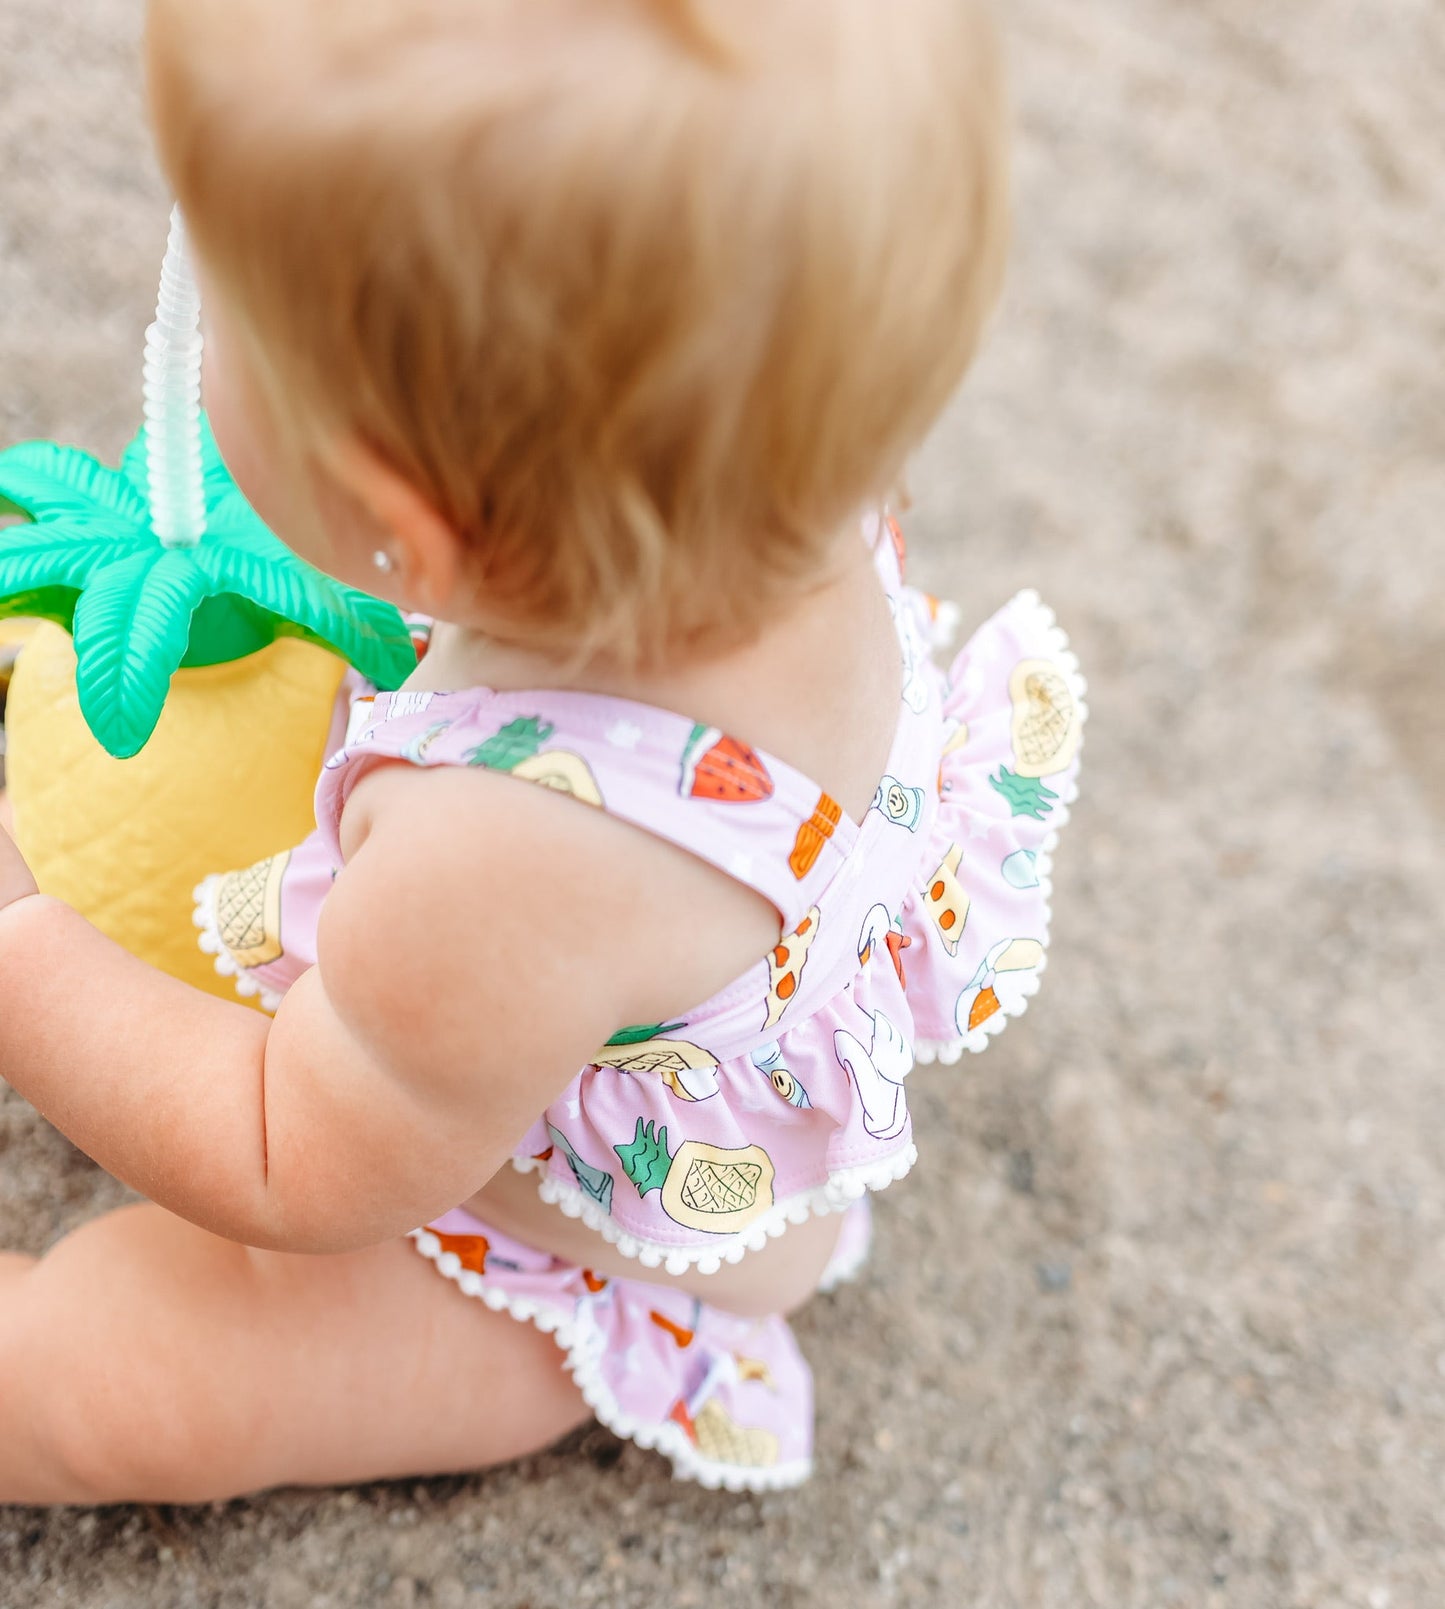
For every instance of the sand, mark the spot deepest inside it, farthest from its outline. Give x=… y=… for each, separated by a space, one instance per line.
x=1159 y=1319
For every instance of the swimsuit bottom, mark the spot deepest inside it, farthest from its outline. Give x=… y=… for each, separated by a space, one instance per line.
x=727 y=1399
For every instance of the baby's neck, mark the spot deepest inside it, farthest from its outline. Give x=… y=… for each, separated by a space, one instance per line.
x=461 y=656
x=819 y=685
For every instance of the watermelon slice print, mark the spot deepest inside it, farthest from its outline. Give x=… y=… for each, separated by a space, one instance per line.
x=718 y=767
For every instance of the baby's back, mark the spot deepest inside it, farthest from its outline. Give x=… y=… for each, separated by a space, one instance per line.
x=820 y=690
x=744 y=957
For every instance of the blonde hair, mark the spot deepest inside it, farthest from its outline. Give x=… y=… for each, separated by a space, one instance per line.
x=647 y=297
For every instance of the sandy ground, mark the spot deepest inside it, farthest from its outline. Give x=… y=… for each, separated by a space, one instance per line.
x=1159 y=1321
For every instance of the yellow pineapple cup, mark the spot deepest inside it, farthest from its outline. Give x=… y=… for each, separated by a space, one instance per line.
x=171 y=717
x=226 y=779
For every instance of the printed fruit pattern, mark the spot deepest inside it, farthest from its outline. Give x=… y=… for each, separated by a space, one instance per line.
x=688 y=1070
x=1045 y=731
x=516 y=749
x=639 y=1033
x=646 y=1159
x=708 y=1187
x=718 y=767
x=248 y=912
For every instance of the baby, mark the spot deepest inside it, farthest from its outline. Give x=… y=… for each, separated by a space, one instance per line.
x=596 y=332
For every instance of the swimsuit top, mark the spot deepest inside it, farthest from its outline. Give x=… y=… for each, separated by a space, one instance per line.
x=911 y=935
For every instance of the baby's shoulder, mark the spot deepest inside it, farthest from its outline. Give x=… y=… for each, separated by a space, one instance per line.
x=512 y=903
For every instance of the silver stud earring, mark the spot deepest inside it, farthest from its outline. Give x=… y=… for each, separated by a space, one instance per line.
x=383 y=561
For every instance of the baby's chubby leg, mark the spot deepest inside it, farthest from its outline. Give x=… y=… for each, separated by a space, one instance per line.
x=146 y=1359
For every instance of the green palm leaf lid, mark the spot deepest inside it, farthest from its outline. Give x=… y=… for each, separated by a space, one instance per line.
x=162 y=563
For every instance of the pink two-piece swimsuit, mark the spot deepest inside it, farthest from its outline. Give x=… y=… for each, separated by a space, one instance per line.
x=911 y=935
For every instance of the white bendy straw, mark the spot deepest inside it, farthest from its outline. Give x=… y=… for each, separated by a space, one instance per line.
x=173 y=400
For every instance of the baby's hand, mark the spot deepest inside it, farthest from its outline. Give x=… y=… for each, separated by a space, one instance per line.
x=15 y=879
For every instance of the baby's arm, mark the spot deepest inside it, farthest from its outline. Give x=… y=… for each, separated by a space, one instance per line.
x=449 y=1004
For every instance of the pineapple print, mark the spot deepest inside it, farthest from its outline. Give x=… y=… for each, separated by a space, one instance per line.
x=517 y=741
x=718 y=1190
x=646 y=1159
x=1045 y=731
x=248 y=912
x=516 y=749
x=688 y=1070
x=716 y=1184
x=640 y=1032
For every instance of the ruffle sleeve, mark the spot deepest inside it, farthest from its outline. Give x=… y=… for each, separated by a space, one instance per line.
x=260 y=923
x=978 y=920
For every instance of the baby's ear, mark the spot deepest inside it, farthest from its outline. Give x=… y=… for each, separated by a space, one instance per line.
x=415 y=549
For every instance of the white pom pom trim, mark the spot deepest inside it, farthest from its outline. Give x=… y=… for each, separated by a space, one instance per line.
x=205 y=918
x=585 y=1347
x=1053 y=643
x=838 y=1192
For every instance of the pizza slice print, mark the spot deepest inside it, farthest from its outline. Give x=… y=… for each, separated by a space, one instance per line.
x=785 y=965
x=945 y=900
